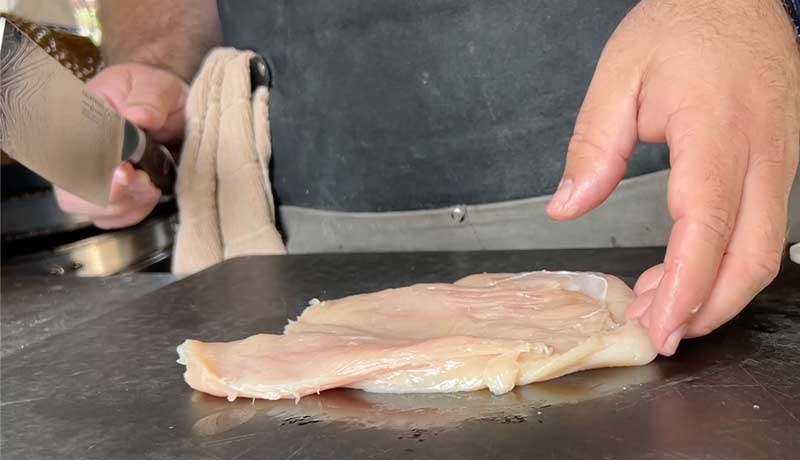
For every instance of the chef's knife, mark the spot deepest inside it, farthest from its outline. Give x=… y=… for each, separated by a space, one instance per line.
x=53 y=125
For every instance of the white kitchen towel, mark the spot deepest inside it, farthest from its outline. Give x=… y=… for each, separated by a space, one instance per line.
x=224 y=195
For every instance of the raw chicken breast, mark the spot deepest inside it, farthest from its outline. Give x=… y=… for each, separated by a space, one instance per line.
x=490 y=331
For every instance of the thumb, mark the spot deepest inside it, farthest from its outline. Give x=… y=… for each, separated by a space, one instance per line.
x=603 y=140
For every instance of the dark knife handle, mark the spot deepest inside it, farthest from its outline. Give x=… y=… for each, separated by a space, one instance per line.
x=155 y=159
x=159 y=164
x=150 y=157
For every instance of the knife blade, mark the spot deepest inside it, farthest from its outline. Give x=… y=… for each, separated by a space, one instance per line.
x=54 y=126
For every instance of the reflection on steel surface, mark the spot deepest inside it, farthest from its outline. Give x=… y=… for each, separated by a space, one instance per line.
x=118 y=252
x=359 y=409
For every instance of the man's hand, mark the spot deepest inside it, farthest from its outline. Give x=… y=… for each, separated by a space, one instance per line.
x=153 y=99
x=717 y=80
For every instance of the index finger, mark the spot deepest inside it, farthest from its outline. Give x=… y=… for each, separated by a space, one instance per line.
x=709 y=161
x=151 y=98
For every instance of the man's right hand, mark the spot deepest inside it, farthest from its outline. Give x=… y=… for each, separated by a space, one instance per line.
x=153 y=99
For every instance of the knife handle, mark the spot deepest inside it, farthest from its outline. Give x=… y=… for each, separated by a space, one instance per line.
x=159 y=164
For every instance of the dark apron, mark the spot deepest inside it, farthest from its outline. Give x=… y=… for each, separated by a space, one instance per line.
x=391 y=105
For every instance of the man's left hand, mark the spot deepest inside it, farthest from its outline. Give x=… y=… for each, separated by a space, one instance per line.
x=717 y=80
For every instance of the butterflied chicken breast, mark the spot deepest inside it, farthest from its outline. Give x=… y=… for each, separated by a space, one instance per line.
x=491 y=331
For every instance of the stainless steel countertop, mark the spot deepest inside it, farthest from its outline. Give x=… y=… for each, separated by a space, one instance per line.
x=106 y=385
x=35 y=308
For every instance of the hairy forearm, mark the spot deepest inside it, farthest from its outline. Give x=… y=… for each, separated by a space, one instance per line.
x=173 y=35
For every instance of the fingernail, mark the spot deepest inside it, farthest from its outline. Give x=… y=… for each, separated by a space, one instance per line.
x=644 y=320
x=632 y=314
x=562 y=195
x=121 y=177
x=636 y=309
x=671 y=344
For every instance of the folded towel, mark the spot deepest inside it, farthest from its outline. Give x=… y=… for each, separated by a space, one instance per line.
x=223 y=190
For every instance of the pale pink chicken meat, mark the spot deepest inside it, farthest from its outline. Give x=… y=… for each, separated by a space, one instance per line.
x=490 y=331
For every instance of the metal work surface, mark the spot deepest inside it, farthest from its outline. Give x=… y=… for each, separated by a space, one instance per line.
x=35 y=308
x=110 y=387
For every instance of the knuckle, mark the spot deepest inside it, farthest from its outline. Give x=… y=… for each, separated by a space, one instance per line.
x=777 y=158
x=717 y=220
x=763 y=270
x=734 y=124
x=774 y=74
x=777 y=75
x=583 y=146
x=772 y=160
